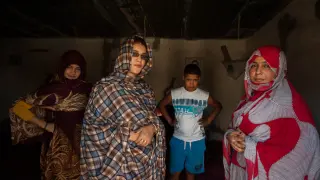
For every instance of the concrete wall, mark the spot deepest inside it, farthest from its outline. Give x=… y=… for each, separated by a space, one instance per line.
x=169 y=61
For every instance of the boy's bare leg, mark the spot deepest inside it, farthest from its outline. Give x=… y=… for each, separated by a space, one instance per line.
x=189 y=176
x=175 y=176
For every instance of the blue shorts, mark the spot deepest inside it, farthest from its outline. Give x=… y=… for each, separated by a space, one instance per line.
x=189 y=155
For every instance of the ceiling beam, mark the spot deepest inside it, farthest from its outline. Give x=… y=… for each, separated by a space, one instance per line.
x=131 y=20
x=125 y=9
x=104 y=13
x=186 y=18
x=146 y=20
x=109 y=9
x=20 y=30
x=35 y=21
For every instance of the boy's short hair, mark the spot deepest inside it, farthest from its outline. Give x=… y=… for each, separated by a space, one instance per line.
x=192 y=69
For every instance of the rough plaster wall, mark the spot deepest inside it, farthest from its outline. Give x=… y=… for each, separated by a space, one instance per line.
x=169 y=61
x=302 y=50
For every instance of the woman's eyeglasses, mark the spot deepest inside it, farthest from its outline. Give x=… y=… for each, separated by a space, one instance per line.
x=143 y=56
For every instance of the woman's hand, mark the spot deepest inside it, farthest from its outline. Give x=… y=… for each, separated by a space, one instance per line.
x=236 y=140
x=48 y=107
x=143 y=136
x=43 y=124
x=50 y=127
x=134 y=135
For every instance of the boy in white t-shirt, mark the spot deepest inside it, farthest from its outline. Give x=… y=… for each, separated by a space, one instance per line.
x=187 y=146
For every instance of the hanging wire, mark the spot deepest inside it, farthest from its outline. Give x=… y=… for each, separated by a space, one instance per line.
x=239 y=26
x=144 y=26
x=146 y=22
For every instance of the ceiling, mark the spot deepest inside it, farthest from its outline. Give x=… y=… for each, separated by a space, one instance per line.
x=187 y=19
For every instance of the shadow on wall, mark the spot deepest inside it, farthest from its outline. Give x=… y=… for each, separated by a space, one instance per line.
x=176 y=67
x=208 y=72
x=317 y=9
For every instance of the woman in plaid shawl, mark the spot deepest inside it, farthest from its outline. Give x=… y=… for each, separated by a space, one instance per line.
x=122 y=138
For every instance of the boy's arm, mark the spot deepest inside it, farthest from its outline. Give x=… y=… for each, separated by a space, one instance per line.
x=166 y=101
x=217 y=108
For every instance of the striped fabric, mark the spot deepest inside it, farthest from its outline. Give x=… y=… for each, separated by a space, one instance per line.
x=119 y=104
x=281 y=139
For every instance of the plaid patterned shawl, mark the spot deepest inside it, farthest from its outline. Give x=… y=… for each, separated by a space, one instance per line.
x=119 y=104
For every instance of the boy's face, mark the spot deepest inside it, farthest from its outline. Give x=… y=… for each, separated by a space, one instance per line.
x=191 y=82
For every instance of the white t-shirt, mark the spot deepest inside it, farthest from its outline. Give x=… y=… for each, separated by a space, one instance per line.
x=188 y=107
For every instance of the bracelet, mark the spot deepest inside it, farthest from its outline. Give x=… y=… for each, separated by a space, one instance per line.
x=45 y=126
